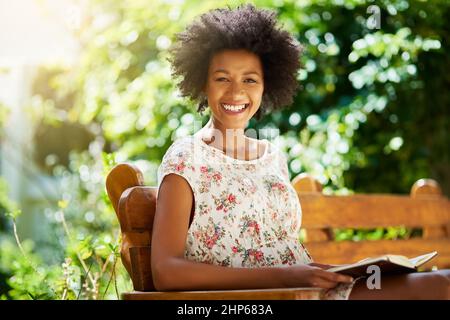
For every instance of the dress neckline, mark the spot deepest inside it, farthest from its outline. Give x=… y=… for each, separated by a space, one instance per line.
x=229 y=158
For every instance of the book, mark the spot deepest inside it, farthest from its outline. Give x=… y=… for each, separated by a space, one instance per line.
x=388 y=263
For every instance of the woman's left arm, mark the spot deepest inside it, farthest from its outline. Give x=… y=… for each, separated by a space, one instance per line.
x=323 y=266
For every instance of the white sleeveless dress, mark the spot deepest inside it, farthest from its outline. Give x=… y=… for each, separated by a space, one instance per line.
x=247 y=213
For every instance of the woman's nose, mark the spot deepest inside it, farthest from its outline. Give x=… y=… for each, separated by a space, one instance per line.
x=236 y=89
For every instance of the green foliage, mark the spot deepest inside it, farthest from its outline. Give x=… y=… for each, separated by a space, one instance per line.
x=390 y=233
x=84 y=246
x=89 y=229
x=7 y=207
x=26 y=276
x=365 y=93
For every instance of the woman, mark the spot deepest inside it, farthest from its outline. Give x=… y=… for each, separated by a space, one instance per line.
x=227 y=215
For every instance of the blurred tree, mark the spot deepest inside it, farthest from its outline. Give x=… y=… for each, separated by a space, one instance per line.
x=353 y=124
x=374 y=108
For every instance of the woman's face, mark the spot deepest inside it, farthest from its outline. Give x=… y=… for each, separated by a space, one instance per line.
x=234 y=87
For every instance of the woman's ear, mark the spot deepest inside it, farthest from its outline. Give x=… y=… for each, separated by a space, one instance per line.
x=203 y=102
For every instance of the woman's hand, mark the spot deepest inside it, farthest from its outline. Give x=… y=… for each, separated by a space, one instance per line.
x=322 y=266
x=307 y=275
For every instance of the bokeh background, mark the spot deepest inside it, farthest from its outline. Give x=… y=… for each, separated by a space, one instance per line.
x=86 y=84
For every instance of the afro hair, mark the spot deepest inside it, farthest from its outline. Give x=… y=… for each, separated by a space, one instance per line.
x=245 y=27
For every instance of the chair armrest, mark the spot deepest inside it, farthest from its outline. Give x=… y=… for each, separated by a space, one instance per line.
x=254 y=294
x=143 y=283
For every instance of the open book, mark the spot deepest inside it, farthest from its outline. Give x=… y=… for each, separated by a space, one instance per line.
x=388 y=264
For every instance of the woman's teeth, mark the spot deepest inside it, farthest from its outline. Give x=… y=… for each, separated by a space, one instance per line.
x=234 y=108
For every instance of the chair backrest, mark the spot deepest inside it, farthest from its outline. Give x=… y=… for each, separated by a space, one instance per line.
x=135 y=206
x=425 y=207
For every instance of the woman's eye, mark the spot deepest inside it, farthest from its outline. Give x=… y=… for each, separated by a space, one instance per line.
x=222 y=79
x=250 y=80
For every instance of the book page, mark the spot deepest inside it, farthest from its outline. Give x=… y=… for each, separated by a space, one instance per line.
x=401 y=260
x=396 y=259
x=420 y=260
x=363 y=262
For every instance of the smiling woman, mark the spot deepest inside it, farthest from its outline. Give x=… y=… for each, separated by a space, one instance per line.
x=236 y=219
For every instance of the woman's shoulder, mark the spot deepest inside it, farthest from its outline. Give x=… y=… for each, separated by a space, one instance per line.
x=275 y=149
x=273 y=146
x=183 y=140
x=181 y=144
x=179 y=159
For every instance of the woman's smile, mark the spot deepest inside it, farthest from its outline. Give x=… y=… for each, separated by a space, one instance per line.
x=234 y=108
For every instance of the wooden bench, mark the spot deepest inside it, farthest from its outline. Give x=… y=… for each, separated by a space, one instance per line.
x=135 y=206
x=425 y=208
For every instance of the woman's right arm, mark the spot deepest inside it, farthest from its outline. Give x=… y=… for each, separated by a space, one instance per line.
x=171 y=271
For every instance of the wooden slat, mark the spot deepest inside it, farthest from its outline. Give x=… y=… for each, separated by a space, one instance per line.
x=425 y=187
x=317 y=235
x=436 y=232
x=120 y=178
x=257 y=294
x=306 y=183
x=430 y=187
x=132 y=239
x=344 y=252
x=141 y=271
x=137 y=207
x=370 y=211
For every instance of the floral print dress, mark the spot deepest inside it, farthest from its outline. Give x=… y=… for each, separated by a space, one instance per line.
x=247 y=213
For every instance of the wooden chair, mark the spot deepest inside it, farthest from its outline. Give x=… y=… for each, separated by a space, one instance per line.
x=135 y=206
